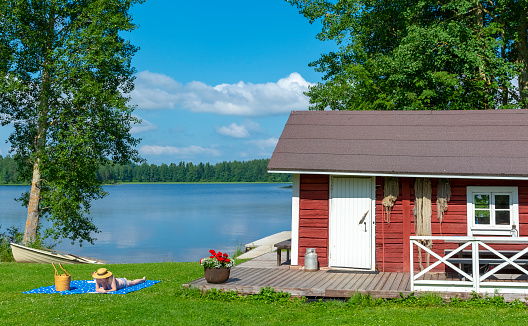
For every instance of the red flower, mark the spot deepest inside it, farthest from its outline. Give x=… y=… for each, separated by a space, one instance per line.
x=227 y=260
x=225 y=255
x=212 y=252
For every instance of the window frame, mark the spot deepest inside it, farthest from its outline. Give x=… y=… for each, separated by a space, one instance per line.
x=492 y=229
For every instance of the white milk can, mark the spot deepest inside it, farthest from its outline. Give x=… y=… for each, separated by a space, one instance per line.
x=310 y=260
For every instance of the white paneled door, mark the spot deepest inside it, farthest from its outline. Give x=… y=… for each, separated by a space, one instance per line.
x=351 y=225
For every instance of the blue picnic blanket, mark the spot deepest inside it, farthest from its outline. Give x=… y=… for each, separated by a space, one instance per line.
x=77 y=287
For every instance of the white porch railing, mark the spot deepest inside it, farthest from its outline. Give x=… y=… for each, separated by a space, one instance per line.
x=471 y=281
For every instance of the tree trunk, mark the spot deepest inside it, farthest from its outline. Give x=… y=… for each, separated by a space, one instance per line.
x=32 y=221
x=30 y=232
x=522 y=48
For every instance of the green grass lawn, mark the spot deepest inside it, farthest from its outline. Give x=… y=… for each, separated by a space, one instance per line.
x=166 y=303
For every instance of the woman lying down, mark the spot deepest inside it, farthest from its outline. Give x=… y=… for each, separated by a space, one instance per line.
x=106 y=282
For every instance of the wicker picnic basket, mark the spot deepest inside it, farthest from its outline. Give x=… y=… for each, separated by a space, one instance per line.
x=62 y=281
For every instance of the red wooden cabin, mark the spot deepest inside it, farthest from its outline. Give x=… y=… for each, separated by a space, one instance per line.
x=341 y=161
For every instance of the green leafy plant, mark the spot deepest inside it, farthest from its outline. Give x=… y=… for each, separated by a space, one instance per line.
x=12 y=234
x=269 y=295
x=364 y=300
x=239 y=250
x=216 y=294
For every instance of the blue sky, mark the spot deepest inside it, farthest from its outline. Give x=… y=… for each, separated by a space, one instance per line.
x=216 y=80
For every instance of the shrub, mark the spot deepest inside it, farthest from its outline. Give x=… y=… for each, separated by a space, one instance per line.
x=12 y=234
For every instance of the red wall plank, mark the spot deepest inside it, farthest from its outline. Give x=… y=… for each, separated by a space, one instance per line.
x=313 y=216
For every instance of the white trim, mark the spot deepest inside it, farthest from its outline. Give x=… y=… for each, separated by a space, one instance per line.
x=373 y=235
x=474 y=282
x=473 y=229
x=404 y=175
x=295 y=220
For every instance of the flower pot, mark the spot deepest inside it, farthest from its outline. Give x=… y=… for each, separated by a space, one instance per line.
x=216 y=275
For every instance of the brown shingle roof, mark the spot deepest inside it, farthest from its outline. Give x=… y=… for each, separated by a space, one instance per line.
x=489 y=143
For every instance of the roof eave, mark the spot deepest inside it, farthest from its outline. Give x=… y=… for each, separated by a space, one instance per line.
x=404 y=175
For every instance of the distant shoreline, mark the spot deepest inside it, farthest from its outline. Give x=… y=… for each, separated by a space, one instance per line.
x=190 y=183
x=181 y=183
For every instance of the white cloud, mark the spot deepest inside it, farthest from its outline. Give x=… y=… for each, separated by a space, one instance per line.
x=233 y=130
x=264 y=143
x=239 y=131
x=143 y=126
x=155 y=91
x=183 y=151
x=158 y=91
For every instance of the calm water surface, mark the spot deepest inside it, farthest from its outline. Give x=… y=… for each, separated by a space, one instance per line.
x=172 y=222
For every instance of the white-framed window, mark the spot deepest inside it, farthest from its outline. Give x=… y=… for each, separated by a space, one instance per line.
x=492 y=210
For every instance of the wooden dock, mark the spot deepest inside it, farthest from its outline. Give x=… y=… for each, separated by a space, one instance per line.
x=264 y=245
x=251 y=276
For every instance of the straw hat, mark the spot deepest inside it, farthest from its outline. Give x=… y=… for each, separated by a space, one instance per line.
x=102 y=273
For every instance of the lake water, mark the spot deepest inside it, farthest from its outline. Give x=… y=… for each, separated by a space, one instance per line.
x=172 y=222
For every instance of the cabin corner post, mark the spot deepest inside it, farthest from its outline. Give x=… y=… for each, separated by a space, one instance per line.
x=407 y=219
x=295 y=220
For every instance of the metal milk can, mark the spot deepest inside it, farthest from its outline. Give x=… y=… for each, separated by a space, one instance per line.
x=310 y=260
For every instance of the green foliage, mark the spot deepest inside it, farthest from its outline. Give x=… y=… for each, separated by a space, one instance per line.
x=8 y=171
x=66 y=70
x=266 y=295
x=424 y=300
x=269 y=295
x=496 y=300
x=427 y=299
x=364 y=300
x=411 y=55
x=236 y=171
x=240 y=249
x=13 y=234
x=248 y=171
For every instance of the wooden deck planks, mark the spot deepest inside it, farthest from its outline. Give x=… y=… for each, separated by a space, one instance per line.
x=352 y=285
x=382 y=281
x=388 y=284
x=375 y=282
x=335 y=279
x=287 y=280
x=342 y=281
x=270 y=278
x=304 y=279
x=397 y=281
x=314 y=284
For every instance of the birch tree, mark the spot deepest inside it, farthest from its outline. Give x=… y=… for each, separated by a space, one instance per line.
x=65 y=70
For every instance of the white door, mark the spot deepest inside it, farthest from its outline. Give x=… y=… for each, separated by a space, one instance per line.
x=351 y=225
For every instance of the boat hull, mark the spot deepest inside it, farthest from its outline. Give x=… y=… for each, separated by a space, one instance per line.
x=24 y=254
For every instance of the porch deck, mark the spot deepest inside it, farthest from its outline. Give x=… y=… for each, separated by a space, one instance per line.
x=251 y=276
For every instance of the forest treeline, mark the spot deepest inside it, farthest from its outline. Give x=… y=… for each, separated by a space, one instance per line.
x=235 y=171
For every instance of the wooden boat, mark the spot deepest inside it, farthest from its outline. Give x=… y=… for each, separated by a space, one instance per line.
x=24 y=254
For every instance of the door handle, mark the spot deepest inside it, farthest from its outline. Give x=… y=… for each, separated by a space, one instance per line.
x=362 y=221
